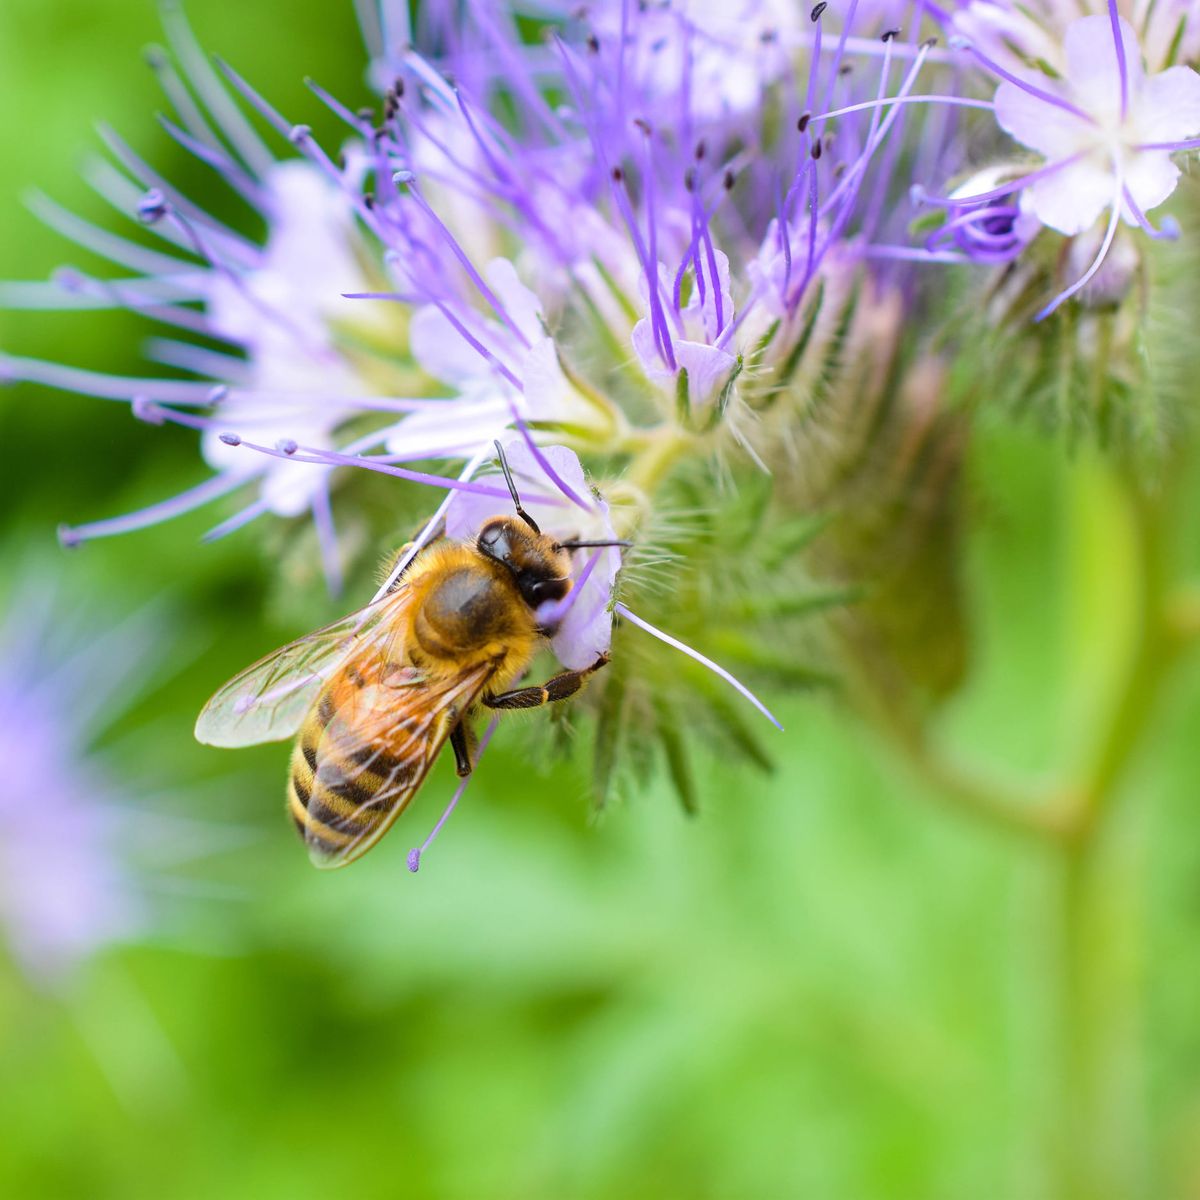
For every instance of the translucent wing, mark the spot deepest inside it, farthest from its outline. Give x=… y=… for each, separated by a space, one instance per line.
x=268 y=701
x=367 y=749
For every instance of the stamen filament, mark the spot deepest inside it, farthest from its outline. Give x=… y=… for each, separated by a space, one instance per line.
x=414 y=855
x=700 y=658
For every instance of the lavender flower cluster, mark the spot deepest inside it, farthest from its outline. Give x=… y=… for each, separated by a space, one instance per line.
x=631 y=240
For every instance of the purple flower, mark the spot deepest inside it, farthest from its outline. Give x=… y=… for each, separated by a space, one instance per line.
x=1106 y=129
x=65 y=888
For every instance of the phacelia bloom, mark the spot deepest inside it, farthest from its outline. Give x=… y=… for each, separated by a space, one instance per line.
x=653 y=249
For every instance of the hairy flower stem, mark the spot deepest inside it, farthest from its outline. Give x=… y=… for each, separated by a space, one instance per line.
x=1097 y=1090
x=1099 y=1081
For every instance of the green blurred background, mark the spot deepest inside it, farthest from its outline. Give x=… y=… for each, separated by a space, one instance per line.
x=830 y=984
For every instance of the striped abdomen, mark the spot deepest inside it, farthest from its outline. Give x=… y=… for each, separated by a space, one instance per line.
x=360 y=756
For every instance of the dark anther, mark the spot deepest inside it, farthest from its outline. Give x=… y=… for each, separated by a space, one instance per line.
x=845 y=68
x=593 y=43
x=643 y=125
x=398 y=87
x=689 y=179
x=366 y=114
x=617 y=174
x=929 y=43
x=701 y=150
x=802 y=124
x=369 y=201
x=816 y=150
x=152 y=207
x=768 y=36
x=729 y=180
x=890 y=34
x=815 y=15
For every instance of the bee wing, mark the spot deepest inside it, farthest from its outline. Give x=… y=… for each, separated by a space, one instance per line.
x=268 y=701
x=374 y=753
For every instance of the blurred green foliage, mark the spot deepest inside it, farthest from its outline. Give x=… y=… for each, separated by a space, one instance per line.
x=825 y=985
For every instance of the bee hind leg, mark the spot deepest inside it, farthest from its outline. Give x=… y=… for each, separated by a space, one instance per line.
x=462 y=742
x=558 y=687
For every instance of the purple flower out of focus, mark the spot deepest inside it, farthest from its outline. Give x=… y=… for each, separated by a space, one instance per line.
x=65 y=890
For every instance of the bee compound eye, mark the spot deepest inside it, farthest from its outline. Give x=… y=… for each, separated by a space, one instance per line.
x=547 y=589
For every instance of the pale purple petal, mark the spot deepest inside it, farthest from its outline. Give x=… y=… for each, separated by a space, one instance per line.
x=1168 y=108
x=708 y=369
x=288 y=487
x=522 y=305
x=439 y=348
x=1093 y=70
x=646 y=349
x=1151 y=177
x=1043 y=127
x=1072 y=199
x=585 y=632
x=466 y=424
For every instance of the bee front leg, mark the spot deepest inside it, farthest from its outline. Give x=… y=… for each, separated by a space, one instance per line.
x=559 y=687
x=461 y=739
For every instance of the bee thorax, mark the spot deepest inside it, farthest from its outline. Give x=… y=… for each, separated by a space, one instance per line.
x=466 y=610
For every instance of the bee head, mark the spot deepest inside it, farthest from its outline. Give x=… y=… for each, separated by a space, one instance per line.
x=541 y=567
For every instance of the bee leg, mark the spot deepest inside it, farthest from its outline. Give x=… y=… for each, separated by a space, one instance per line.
x=559 y=687
x=460 y=743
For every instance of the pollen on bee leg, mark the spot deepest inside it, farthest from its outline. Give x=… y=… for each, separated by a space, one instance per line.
x=414 y=855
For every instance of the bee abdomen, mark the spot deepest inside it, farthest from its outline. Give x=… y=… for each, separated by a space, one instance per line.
x=334 y=801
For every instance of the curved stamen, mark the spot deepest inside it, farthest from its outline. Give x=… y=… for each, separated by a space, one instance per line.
x=960 y=101
x=1025 y=86
x=1114 y=19
x=414 y=855
x=920 y=196
x=164 y=510
x=1082 y=281
x=700 y=658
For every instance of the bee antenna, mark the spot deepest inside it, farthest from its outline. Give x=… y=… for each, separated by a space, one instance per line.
x=512 y=488
x=576 y=544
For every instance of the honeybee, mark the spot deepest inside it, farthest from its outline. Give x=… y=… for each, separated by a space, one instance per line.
x=376 y=695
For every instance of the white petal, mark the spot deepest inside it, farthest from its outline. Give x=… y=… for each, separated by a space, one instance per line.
x=586 y=631
x=289 y=486
x=1092 y=67
x=464 y=425
x=1151 y=177
x=1168 y=109
x=646 y=348
x=708 y=369
x=1041 y=126
x=1071 y=199
x=442 y=351
x=522 y=305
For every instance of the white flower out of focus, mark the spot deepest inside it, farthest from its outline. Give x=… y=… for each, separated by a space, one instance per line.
x=283 y=312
